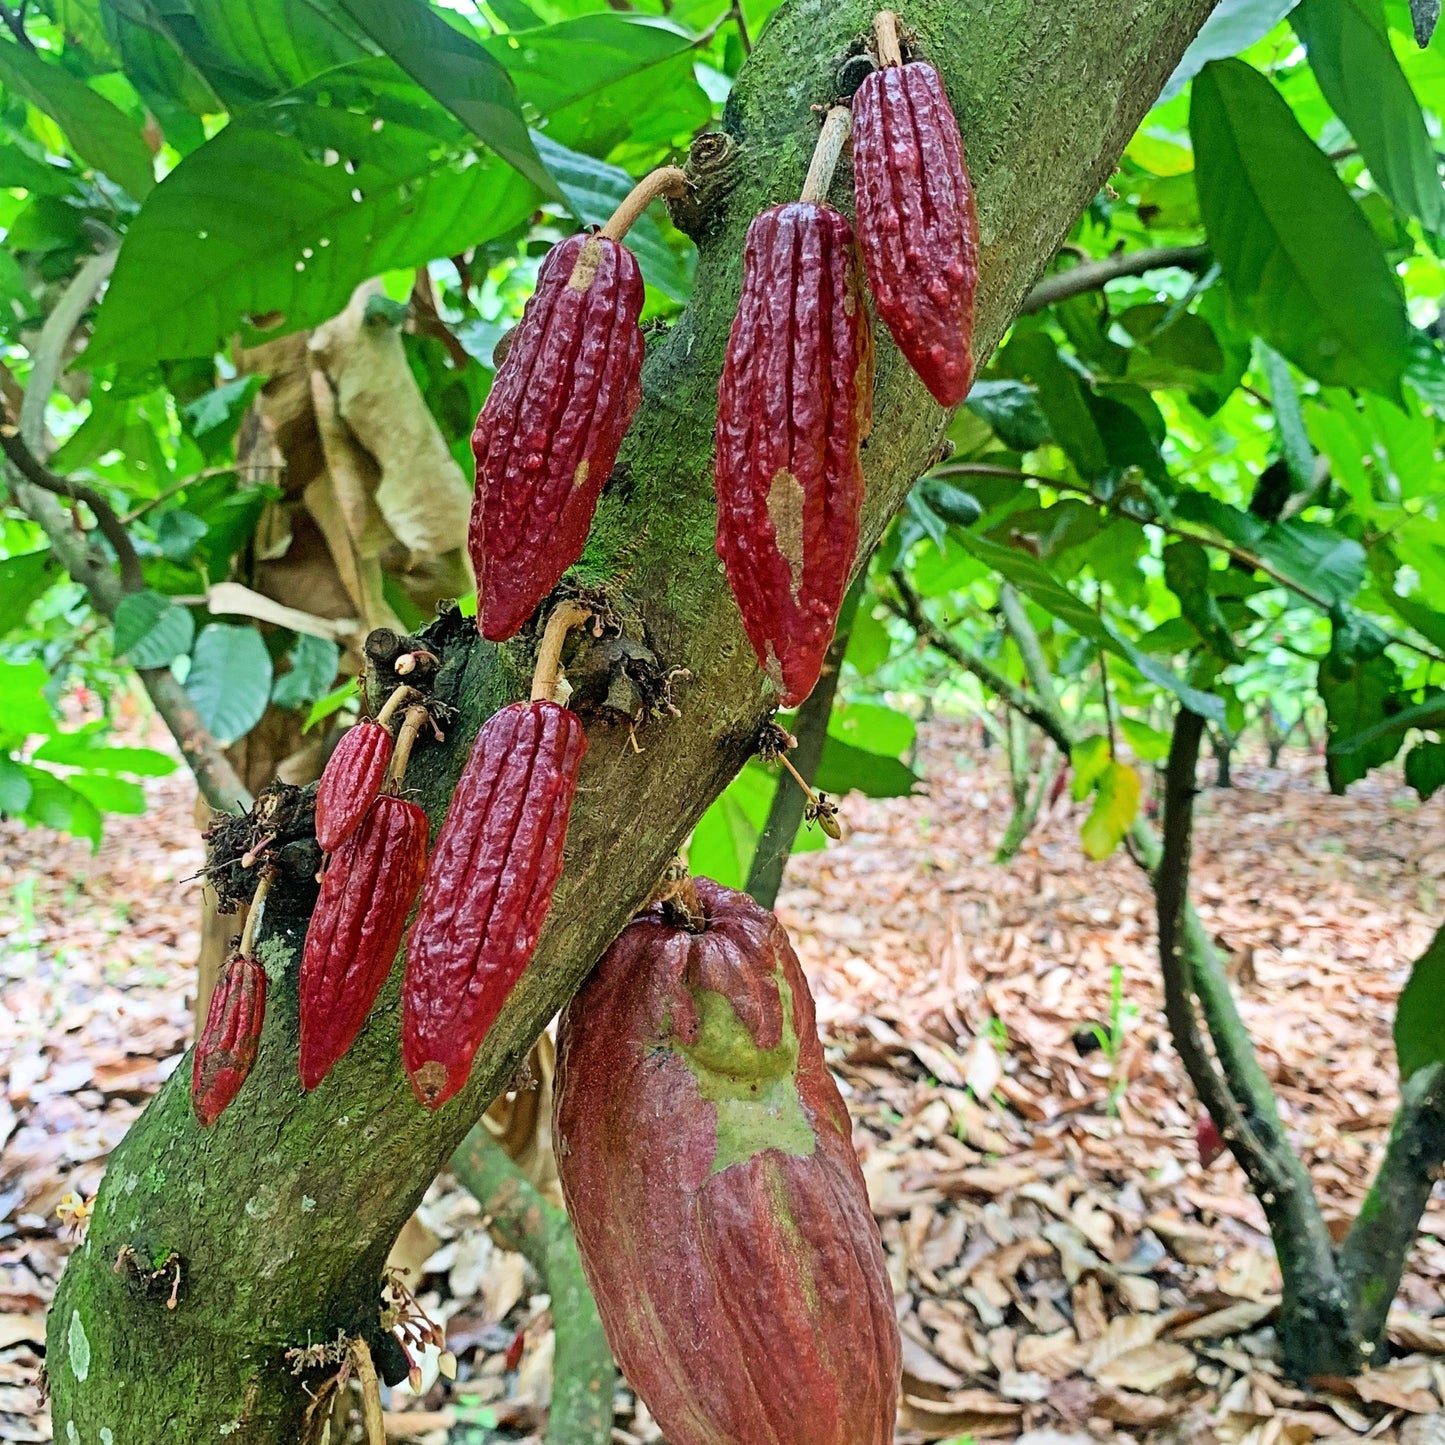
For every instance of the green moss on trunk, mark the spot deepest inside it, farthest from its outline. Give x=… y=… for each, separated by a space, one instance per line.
x=282 y=1215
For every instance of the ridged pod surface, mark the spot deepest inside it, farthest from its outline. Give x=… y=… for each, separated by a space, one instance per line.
x=549 y=431
x=488 y=889
x=226 y=1047
x=351 y=780
x=917 y=226
x=367 y=891
x=707 y=1161
x=794 y=405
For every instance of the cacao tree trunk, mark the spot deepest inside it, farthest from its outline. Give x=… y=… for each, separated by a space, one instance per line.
x=277 y=1222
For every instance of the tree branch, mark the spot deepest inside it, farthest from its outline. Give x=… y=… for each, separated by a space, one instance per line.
x=110 y=525
x=1036 y=667
x=1373 y=1256
x=34 y=488
x=1095 y=275
x=285 y=1211
x=909 y=608
x=520 y=1219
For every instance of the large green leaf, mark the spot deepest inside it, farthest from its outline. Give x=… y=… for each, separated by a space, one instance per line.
x=1031 y=576
x=1033 y=354
x=314 y=661
x=23 y=708
x=1425 y=769
x=151 y=630
x=102 y=135
x=1289 y=421
x=723 y=843
x=1234 y=26
x=22 y=580
x=83 y=750
x=110 y=795
x=1187 y=571
x=256 y=222
x=638 y=82
x=872 y=727
x=461 y=74
x=1360 y=687
x=1298 y=255
x=229 y=680
x=845 y=769
x=1420 y=1014
x=15 y=789
x=1350 y=54
x=250 y=51
x=1012 y=409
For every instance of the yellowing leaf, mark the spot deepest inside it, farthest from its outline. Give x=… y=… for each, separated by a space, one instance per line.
x=1116 y=805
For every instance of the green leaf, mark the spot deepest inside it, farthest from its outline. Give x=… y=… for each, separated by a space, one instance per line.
x=1427 y=714
x=868 y=643
x=1032 y=353
x=151 y=630
x=215 y=416
x=15 y=788
x=873 y=727
x=23 y=708
x=1350 y=54
x=54 y=804
x=229 y=680
x=1116 y=805
x=1289 y=421
x=844 y=768
x=1360 y=688
x=258 y=222
x=1420 y=1014
x=1233 y=26
x=1031 y=576
x=110 y=795
x=1299 y=257
x=177 y=533
x=1012 y=409
x=1187 y=573
x=102 y=135
x=22 y=580
x=638 y=83
x=1425 y=769
x=333 y=702
x=594 y=190
x=460 y=74
x=1087 y=760
x=314 y=662
x=1149 y=744
x=81 y=750
x=1429 y=623
x=723 y=843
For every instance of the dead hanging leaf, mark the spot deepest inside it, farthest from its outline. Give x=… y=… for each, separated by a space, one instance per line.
x=422 y=494
x=231 y=599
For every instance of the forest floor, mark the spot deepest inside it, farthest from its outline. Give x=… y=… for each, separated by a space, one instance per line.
x=1067 y=1269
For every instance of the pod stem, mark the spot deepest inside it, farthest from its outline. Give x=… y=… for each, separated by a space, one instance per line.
x=254 y=914
x=821 y=809
x=885 y=30
x=399 y=696
x=831 y=140
x=412 y=723
x=547 y=676
x=677 y=896
x=664 y=181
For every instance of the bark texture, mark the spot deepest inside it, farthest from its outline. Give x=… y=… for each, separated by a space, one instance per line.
x=279 y=1219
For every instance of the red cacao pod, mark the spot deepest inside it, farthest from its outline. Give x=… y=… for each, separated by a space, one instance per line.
x=917 y=226
x=488 y=889
x=549 y=431
x=367 y=891
x=226 y=1047
x=707 y=1162
x=1208 y=1140
x=350 y=782
x=794 y=405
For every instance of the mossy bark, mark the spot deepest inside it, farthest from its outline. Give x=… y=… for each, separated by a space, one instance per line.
x=280 y=1217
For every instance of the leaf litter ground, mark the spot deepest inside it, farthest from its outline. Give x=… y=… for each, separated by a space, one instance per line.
x=1067 y=1270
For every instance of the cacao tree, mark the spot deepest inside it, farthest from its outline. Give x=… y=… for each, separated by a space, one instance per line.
x=307 y=481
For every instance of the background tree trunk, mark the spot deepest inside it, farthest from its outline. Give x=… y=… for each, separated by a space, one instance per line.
x=280 y=1217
